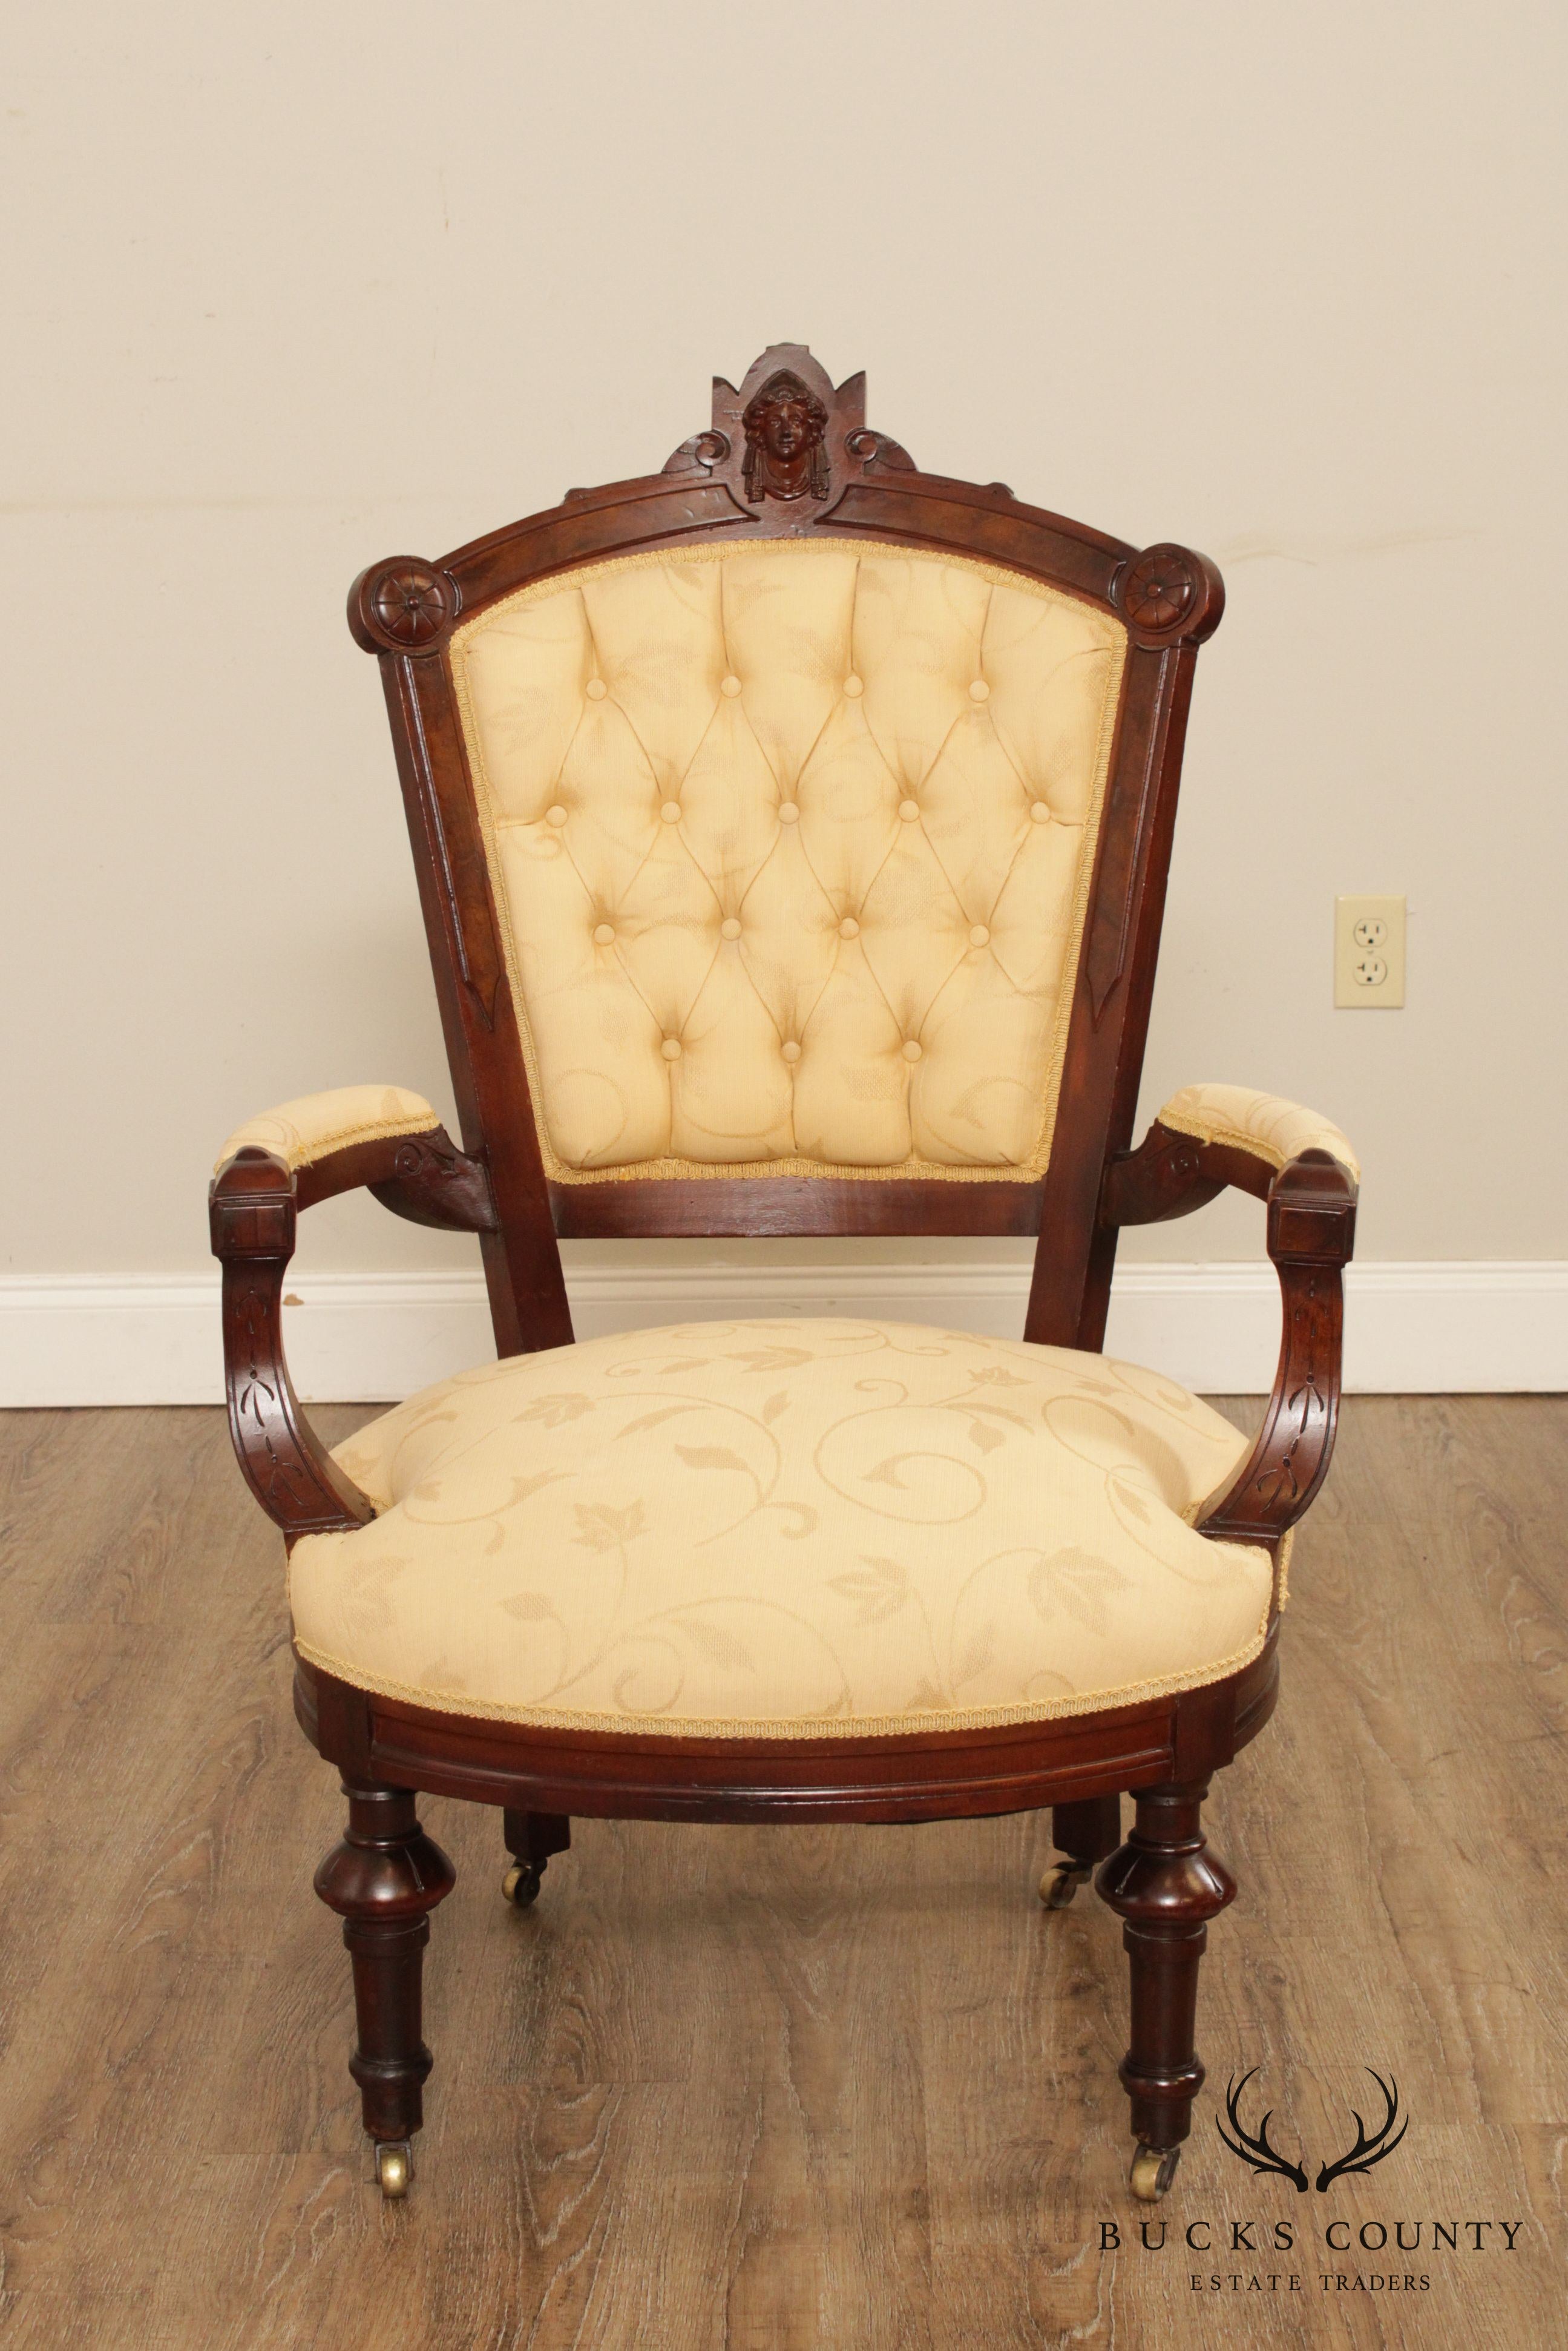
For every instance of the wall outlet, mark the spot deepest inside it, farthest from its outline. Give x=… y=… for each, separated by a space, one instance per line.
x=1369 y=955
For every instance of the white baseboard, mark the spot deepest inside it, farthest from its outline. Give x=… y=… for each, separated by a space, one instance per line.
x=369 y=1338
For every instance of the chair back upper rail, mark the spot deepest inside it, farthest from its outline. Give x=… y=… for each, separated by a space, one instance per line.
x=787 y=457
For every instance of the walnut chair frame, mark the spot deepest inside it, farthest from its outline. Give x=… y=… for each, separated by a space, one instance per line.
x=850 y=484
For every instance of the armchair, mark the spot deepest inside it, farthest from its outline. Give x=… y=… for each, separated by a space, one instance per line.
x=792 y=830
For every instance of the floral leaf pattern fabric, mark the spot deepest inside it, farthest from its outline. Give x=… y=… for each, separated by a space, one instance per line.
x=786 y=1529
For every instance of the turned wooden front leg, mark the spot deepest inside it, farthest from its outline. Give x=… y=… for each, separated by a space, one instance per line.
x=1164 y=1884
x=383 y=1880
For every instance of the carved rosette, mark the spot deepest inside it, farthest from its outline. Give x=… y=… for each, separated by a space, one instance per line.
x=1170 y=595
x=402 y=606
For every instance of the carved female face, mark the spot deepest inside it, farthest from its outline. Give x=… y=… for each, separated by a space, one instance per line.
x=786 y=430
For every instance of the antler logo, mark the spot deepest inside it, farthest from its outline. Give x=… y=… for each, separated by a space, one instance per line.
x=1368 y=2151
x=1254 y=2150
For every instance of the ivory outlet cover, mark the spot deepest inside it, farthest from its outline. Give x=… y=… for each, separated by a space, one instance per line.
x=1369 y=955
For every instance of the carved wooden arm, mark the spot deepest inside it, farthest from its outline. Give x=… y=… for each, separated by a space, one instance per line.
x=1311 y=1201
x=254 y=1203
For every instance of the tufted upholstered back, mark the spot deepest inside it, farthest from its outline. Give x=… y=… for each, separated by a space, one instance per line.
x=791 y=843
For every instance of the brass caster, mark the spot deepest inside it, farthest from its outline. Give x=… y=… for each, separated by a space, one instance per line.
x=1153 y=2169
x=521 y=1883
x=394 y=2166
x=1059 y=1886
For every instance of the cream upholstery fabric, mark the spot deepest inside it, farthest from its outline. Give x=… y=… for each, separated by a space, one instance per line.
x=303 y=1131
x=791 y=845
x=785 y=1528
x=1275 y=1130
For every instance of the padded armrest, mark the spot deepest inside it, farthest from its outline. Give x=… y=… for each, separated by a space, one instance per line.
x=299 y=1132
x=1264 y=1125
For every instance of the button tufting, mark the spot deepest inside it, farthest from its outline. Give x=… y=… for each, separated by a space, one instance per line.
x=775 y=957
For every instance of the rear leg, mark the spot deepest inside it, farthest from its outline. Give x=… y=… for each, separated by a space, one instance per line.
x=531 y=1838
x=1087 y=1832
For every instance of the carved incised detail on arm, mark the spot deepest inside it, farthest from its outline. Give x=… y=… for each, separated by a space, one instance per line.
x=1312 y=1232
x=1165 y=1177
x=421 y=1177
x=433 y=1183
x=292 y=1476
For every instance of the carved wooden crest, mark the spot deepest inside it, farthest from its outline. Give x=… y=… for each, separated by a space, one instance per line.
x=784 y=423
x=787 y=444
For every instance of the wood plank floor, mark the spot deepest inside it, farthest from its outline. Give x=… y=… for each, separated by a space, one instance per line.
x=765 y=2088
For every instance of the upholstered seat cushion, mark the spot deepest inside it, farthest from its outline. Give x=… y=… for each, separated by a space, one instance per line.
x=786 y=1528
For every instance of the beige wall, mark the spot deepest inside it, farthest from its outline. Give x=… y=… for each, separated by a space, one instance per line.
x=294 y=287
